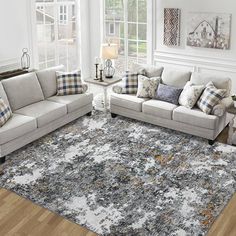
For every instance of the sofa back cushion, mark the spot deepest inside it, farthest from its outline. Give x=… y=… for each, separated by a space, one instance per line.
x=220 y=82
x=23 y=90
x=48 y=80
x=176 y=78
x=147 y=70
x=3 y=94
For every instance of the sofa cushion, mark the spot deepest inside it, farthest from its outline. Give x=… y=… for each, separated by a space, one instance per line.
x=73 y=102
x=48 y=80
x=159 y=108
x=195 y=117
x=130 y=83
x=16 y=127
x=23 y=90
x=176 y=78
x=210 y=97
x=5 y=112
x=147 y=87
x=190 y=94
x=3 y=94
x=168 y=93
x=128 y=101
x=45 y=111
x=221 y=82
x=69 y=83
x=147 y=70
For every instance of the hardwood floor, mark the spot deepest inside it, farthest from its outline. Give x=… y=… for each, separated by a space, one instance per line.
x=225 y=225
x=20 y=217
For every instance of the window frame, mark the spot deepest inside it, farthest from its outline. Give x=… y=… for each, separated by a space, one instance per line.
x=150 y=39
x=63 y=14
x=34 y=38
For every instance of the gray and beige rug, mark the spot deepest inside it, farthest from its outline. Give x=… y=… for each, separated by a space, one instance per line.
x=124 y=177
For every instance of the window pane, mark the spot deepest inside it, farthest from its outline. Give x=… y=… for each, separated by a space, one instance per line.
x=142 y=32
x=132 y=29
x=114 y=10
x=132 y=10
x=57 y=33
x=142 y=50
x=142 y=11
x=132 y=48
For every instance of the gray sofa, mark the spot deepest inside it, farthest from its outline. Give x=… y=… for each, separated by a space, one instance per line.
x=180 y=118
x=36 y=108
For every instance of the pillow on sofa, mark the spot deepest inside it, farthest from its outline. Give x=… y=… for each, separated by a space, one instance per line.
x=168 y=93
x=147 y=87
x=210 y=97
x=69 y=83
x=190 y=94
x=5 y=112
x=130 y=83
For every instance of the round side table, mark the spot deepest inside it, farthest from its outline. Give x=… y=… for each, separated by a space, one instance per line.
x=232 y=135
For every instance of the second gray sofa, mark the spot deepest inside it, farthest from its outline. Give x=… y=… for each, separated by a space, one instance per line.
x=36 y=108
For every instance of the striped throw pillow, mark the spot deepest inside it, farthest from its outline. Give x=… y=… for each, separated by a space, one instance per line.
x=5 y=112
x=69 y=83
x=130 y=83
x=210 y=97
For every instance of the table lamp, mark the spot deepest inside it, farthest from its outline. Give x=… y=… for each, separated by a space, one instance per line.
x=108 y=53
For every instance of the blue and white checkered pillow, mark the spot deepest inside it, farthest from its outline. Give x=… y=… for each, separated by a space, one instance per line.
x=130 y=83
x=210 y=97
x=69 y=83
x=5 y=112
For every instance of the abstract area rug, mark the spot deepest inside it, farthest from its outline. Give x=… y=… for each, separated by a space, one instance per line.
x=124 y=177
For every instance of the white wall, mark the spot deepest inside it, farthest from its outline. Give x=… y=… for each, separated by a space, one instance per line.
x=186 y=6
x=14 y=34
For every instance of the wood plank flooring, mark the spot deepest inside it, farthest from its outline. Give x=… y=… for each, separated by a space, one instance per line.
x=20 y=217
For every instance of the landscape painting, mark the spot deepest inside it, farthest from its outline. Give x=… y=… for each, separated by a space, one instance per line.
x=209 y=30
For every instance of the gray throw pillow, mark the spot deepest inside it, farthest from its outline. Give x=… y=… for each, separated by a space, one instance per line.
x=168 y=93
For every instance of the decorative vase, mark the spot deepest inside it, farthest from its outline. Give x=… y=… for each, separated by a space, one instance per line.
x=25 y=59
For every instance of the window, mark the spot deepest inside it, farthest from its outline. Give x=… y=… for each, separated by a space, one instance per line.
x=130 y=32
x=57 y=37
x=63 y=14
x=111 y=28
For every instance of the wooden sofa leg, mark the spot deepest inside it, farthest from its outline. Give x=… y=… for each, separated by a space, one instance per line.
x=113 y=115
x=211 y=142
x=89 y=114
x=2 y=161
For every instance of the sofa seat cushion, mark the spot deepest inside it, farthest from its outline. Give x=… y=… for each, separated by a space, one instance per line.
x=159 y=108
x=45 y=112
x=23 y=90
x=129 y=101
x=16 y=127
x=73 y=102
x=195 y=117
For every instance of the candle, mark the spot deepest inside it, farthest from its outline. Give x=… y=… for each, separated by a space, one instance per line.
x=101 y=66
x=97 y=60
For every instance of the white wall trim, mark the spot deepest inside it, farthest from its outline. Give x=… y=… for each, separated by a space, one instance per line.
x=10 y=64
x=228 y=65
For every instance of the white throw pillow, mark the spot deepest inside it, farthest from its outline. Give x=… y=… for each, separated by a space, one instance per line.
x=190 y=94
x=147 y=87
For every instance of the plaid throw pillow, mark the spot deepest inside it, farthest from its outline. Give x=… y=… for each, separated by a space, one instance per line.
x=210 y=97
x=69 y=83
x=130 y=84
x=5 y=112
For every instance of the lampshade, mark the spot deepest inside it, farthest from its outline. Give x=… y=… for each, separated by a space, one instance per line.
x=109 y=51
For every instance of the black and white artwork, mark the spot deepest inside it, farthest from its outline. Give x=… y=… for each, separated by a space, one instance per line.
x=209 y=30
x=172 y=26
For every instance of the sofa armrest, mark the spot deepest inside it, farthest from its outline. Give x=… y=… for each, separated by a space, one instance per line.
x=227 y=102
x=218 y=110
x=84 y=87
x=117 y=88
